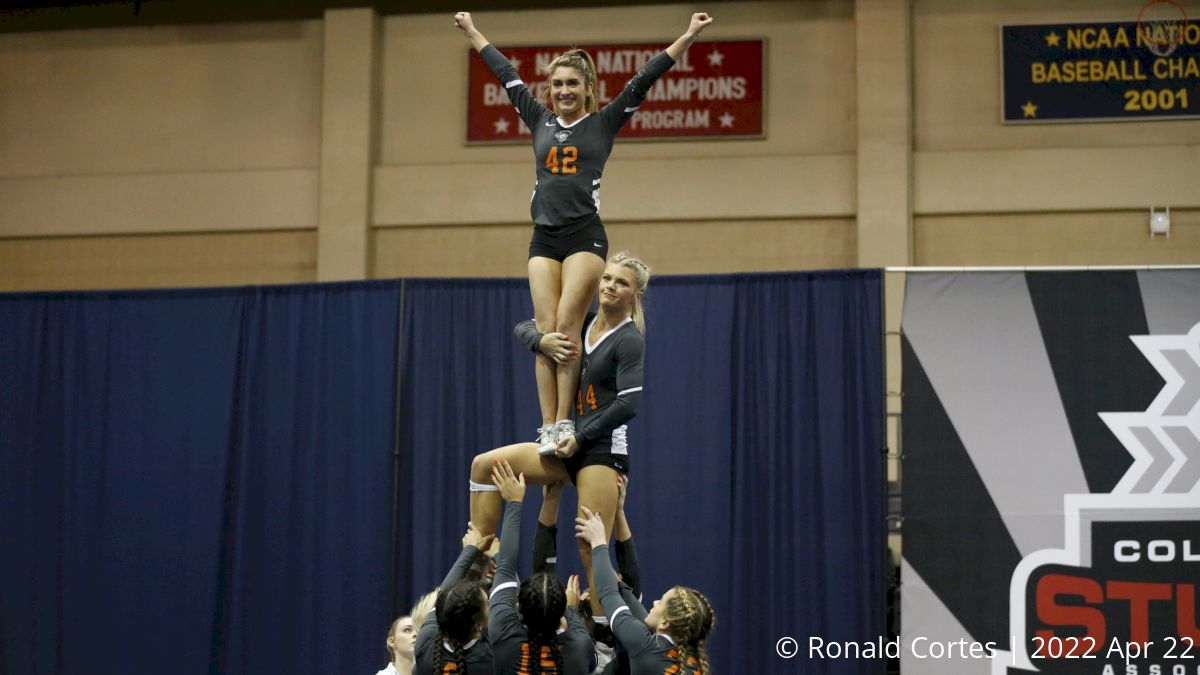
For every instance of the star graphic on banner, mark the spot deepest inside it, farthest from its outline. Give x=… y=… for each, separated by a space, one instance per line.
x=1052 y=39
x=1029 y=109
x=516 y=63
x=726 y=120
x=715 y=58
x=1165 y=439
x=501 y=126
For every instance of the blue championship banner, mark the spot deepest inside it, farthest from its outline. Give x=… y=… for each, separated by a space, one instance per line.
x=1096 y=72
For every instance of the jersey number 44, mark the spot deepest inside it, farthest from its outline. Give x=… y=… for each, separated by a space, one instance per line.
x=590 y=399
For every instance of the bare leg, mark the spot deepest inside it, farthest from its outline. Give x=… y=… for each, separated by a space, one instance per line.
x=597 y=486
x=545 y=287
x=580 y=276
x=487 y=506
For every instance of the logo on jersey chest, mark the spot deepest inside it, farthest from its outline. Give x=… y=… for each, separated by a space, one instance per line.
x=562 y=135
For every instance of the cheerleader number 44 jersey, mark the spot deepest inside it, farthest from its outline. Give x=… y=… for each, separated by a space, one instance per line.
x=570 y=158
x=610 y=384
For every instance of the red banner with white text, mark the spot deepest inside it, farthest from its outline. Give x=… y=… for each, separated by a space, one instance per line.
x=714 y=91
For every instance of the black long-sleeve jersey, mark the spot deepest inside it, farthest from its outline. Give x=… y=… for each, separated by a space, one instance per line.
x=478 y=652
x=510 y=637
x=570 y=157
x=628 y=566
x=610 y=384
x=610 y=381
x=619 y=665
x=649 y=653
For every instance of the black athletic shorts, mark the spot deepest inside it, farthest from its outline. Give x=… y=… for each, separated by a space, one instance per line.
x=596 y=454
x=559 y=243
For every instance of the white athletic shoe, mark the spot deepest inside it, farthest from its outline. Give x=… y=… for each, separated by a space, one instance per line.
x=547 y=439
x=555 y=433
x=565 y=428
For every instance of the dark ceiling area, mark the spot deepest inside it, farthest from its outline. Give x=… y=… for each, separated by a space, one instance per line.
x=42 y=16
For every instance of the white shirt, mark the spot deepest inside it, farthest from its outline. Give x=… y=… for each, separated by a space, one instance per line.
x=391 y=670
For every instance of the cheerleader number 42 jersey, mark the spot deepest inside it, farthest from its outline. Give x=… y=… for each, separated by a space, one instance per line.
x=570 y=158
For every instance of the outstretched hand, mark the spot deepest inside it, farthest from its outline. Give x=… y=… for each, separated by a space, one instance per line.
x=512 y=488
x=590 y=528
x=475 y=538
x=622 y=490
x=573 y=591
x=700 y=21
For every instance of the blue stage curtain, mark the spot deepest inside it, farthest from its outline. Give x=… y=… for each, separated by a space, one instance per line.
x=196 y=481
x=756 y=457
x=202 y=480
x=467 y=387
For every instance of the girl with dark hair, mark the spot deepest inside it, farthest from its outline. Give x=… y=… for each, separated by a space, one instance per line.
x=671 y=636
x=571 y=146
x=452 y=638
x=525 y=618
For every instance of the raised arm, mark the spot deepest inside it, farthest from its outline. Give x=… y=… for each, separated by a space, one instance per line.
x=577 y=647
x=620 y=109
x=627 y=559
x=473 y=543
x=512 y=489
x=503 y=620
x=632 y=633
x=463 y=22
x=590 y=529
x=527 y=106
x=698 y=24
x=545 y=541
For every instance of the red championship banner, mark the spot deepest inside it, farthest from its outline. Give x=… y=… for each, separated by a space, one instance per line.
x=714 y=91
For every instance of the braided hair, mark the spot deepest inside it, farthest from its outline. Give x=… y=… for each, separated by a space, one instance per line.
x=691 y=619
x=460 y=609
x=542 y=601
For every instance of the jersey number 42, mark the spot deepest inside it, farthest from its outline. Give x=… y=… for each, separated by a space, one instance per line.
x=569 y=156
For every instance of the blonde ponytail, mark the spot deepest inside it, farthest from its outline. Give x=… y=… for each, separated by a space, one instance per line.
x=641 y=273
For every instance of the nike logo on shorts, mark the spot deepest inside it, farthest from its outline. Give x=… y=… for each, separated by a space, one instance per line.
x=597 y=244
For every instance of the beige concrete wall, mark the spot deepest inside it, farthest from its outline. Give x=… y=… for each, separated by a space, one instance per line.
x=1088 y=238
x=783 y=202
x=1052 y=194
x=671 y=247
x=208 y=130
x=170 y=99
x=123 y=141
x=157 y=261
